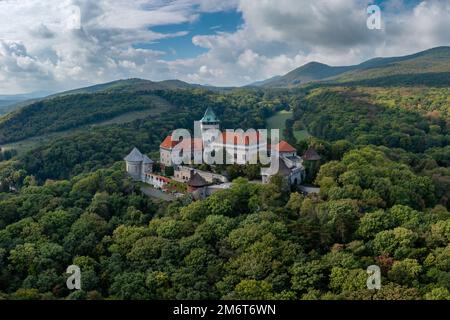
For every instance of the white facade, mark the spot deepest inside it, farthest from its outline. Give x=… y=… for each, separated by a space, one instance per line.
x=166 y=157
x=155 y=180
x=290 y=166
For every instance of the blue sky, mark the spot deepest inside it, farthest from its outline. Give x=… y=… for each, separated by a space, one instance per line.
x=210 y=23
x=181 y=47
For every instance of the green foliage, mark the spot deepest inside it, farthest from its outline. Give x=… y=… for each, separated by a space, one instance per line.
x=252 y=290
x=68 y=112
x=384 y=204
x=222 y=247
x=345 y=113
x=429 y=68
x=368 y=175
x=405 y=271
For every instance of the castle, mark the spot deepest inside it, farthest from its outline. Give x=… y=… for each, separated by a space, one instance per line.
x=290 y=165
x=245 y=146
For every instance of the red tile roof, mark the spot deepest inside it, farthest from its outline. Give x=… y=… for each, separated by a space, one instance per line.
x=168 y=143
x=196 y=144
x=165 y=179
x=234 y=138
x=283 y=146
x=162 y=178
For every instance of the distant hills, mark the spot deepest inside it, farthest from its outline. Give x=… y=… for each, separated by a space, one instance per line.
x=387 y=70
x=24 y=116
x=137 y=97
x=86 y=106
x=9 y=102
x=133 y=85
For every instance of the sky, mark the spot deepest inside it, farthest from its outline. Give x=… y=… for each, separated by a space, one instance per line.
x=56 y=45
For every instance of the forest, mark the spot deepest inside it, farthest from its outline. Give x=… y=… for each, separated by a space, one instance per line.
x=384 y=198
x=249 y=242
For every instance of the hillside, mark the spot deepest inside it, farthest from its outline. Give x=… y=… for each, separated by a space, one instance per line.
x=11 y=102
x=432 y=61
x=91 y=105
x=428 y=67
x=6 y=105
x=132 y=85
x=312 y=71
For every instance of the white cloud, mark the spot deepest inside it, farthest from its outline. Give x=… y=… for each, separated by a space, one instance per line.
x=279 y=36
x=41 y=50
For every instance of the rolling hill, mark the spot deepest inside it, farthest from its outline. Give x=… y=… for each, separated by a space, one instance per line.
x=132 y=85
x=420 y=68
x=123 y=100
x=7 y=105
x=11 y=102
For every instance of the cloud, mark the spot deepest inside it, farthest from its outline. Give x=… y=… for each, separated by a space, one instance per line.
x=279 y=36
x=51 y=42
x=42 y=48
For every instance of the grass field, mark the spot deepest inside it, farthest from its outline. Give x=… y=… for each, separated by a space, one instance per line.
x=301 y=135
x=278 y=121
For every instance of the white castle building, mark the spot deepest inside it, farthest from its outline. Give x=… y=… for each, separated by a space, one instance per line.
x=290 y=165
x=200 y=184
x=244 y=145
x=245 y=148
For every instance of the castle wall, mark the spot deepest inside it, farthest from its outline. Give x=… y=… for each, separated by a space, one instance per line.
x=183 y=174
x=134 y=169
x=165 y=157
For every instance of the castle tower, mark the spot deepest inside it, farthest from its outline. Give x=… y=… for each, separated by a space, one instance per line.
x=209 y=122
x=134 y=163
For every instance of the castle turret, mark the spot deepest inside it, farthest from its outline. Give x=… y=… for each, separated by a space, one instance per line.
x=209 y=122
x=138 y=165
x=134 y=164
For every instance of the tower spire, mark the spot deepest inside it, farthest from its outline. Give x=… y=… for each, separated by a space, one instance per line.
x=209 y=116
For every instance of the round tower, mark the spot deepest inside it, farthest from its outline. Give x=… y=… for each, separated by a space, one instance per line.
x=134 y=164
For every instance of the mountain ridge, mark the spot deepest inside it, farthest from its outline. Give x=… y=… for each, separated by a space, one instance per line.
x=438 y=61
